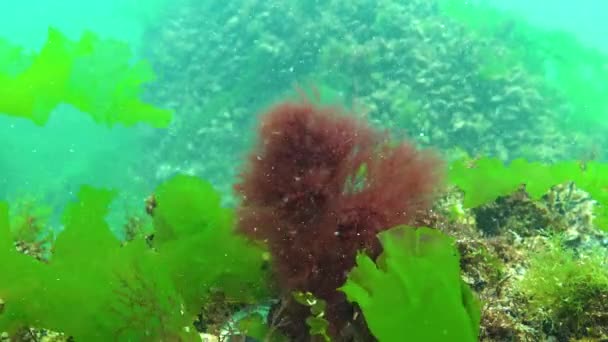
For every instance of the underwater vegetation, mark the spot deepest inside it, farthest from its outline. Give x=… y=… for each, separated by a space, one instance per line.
x=413 y=67
x=339 y=231
x=411 y=292
x=318 y=188
x=28 y=221
x=564 y=65
x=567 y=289
x=91 y=74
x=332 y=172
x=95 y=289
x=320 y=193
x=538 y=178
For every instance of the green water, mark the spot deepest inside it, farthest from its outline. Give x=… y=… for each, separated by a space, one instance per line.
x=585 y=19
x=74 y=150
x=50 y=163
x=27 y=22
x=518 y=80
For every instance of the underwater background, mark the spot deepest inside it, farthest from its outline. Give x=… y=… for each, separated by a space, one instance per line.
x=147 y=119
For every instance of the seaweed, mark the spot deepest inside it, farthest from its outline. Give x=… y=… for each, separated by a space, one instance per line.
x=564 y=64
x=566 y=291
x=192 y=232
x=91 y=289
x=30 y=227
x=95 y=289
x=413 y=292
x=94 y=75
x=501 y=179
x=318 y=187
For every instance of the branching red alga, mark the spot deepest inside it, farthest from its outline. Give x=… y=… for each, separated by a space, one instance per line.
x=319 y=186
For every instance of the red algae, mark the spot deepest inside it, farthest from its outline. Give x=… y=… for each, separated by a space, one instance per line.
x=318 y=187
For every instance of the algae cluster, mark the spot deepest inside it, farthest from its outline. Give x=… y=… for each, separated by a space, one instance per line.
x=94 y=75
x=95 y=289
x=528 y=238
x=412 y=67
x=563 y=64
x=412 y=291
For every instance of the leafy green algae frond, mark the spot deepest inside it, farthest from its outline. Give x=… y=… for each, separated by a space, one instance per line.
x=94 y=75
x=414 y=291
x=21 y=275
x=94 y=289
x=195 y=238
x=486 y=179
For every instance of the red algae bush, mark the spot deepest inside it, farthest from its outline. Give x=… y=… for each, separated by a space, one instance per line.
x=318 y=187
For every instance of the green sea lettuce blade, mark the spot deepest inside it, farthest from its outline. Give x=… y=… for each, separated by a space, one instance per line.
x=196 y=241
x=414 y=291
x=92 y=74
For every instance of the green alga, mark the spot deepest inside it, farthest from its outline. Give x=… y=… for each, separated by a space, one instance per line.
x=92 y=74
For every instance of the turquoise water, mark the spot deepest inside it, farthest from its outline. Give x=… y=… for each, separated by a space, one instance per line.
x=51 y=163
x=585 y=19
x=531 y=85
x=26 y=22
x=84 y=148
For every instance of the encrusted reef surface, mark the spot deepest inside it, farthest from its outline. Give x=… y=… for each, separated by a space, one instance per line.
x=408 y=66
x=538 y=266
